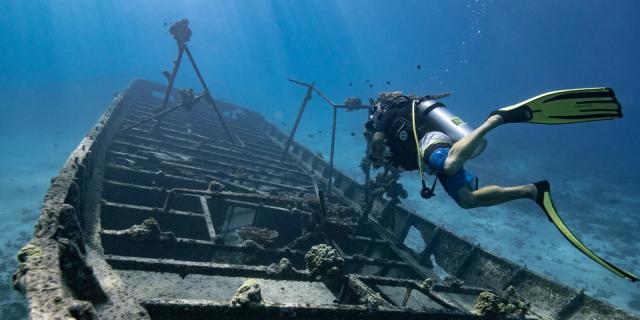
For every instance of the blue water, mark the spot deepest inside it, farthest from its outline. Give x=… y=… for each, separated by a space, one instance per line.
x=61 y=62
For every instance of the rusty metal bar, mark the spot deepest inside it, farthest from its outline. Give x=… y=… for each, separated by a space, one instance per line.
x=367 y=295
x=208 y=94
x=333 y=143
x=307 y=97
x=207 y=216
x=174 y=74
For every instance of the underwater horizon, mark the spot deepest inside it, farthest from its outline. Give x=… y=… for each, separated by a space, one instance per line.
x=64 y=62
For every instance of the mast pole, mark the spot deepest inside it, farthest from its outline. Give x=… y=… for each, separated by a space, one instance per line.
x=306 y=99
x=333 y=142
x=208 y=94
x=174 y=74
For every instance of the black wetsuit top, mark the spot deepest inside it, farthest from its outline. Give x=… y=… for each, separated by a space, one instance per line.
x=395 y=123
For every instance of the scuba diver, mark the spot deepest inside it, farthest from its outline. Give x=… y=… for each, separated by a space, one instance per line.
x=419 y=133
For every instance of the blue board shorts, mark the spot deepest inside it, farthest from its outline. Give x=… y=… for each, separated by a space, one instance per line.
x=454 y=182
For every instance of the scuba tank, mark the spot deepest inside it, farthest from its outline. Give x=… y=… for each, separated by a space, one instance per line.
x=438 y=118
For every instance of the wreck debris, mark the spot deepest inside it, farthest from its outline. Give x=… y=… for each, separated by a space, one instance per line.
x=352 y=102
x=426 y=284
x=252 y=245
x=324 y=262
x=42 y=288
x=453 y=282
x=215 y=186
x=385 y=184
x=262 y=236
x=78 y=275
x=307 y=240
x=382 y=96
x=239 y=173
x=393 y=188
x=148 y=230
x=249 y=293
x=283 y=267
x=492 y=306
x=366 y=295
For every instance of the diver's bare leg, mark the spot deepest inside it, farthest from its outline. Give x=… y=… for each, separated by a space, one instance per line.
x=462 y=150
x=493 y=195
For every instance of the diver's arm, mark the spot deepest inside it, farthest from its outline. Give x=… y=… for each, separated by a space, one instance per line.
x=377 y=145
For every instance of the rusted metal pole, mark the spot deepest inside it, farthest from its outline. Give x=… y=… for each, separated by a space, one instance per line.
x=174 y=73
x=333 y=143
x=208 y=94
x=325 y=98
x=306 y=99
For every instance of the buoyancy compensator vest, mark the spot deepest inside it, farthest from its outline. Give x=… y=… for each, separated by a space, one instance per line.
x=397 y=117
x=394 y=118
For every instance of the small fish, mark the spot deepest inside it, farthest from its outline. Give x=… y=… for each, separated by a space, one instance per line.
x=350 y=84
x=165 y=23
x=283 y=123
x=367 y=81
x=310 y=135
x=388 y=82
x=319 y=131
x=370 y=86
x=353 y=134
x=55 y=145
x=418 y=66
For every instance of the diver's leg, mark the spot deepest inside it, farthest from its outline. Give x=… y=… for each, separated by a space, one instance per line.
x=493 y=195
x=462 y=150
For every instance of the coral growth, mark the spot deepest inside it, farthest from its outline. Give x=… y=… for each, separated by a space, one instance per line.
x=149 y=230
x=453 y=282
x=492 y=306
x=284 y=267
x=323 y=261
x=426 y=284
x=216 y=186
x=249 y=293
